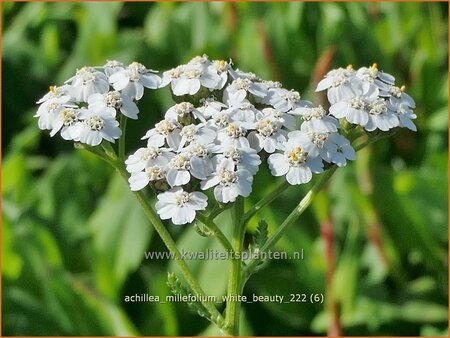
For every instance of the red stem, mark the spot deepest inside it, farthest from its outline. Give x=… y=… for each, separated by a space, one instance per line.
x=326 y=229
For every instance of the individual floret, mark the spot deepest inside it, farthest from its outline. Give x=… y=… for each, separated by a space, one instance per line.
x=180 y=206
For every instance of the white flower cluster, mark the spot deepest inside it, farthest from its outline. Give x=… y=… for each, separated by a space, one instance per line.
x=224 y=123
x=368 y=97
x=84 y=109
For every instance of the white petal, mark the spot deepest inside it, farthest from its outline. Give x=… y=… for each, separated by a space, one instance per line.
x=324 y=84
x=298 y=175
x=210 y=182
x=119 y=80
x=138 y=181
x=201 y=167
x=357 y=117
x=278 y=164
x=151 y=81
x=183 y=215
x=177 y=177
x=198 y=200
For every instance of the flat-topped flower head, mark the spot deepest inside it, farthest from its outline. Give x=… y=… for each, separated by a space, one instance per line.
x=132 y=80
x=180 y=206
x=87 y=81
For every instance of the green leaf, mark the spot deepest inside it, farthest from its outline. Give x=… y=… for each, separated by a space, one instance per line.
x=14 y=264
x=121 y=234
x=261 y=236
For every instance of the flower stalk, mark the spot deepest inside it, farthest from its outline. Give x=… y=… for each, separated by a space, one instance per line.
x=234 y=292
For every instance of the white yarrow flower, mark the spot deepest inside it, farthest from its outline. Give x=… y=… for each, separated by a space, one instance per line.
x=132 y=80
x=49 y=110
x=180 y=206
x=164 y=131
x=97 y=126
x=317 y=119
x=340 y=84
x=86 y=82
x=139 y=180
x=229 y=182
x=268 y=135
x=233 y=135
x=68 y=122
x=295 y=163
x=381 y=117
x=147 y=157
x=113 y=66
x=60 y=94
x=188 y=79
x=112 y=102
x=355 y=109
x=243 y=158
x=285 y=100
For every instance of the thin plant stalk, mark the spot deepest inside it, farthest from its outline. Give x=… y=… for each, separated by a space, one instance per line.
x=234 y=291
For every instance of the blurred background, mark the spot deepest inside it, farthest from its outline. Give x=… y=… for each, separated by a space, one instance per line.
x=73 y=237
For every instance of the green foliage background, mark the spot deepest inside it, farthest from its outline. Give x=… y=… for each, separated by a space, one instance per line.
x=73 y=238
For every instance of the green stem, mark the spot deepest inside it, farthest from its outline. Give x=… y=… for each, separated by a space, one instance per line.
x=151 y=214
x=373 y=139
x=232 y=312
x=123 y=125
x=211 y=225
x=293 y=216
x=266 y=200
x=217 y=210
